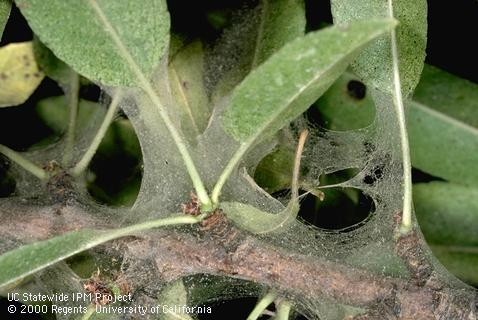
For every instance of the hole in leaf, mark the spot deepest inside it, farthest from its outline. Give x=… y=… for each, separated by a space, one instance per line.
x=344 y=106
x=341 y=209
x=356 y=89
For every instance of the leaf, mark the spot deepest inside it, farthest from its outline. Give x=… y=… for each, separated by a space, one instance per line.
x=254 y=220
x=443 y=146
x=53 y=67
x=175 y=294
x=375 y=63
x=448 y=94
x=5 y=8
x=343 y=107
x=19 y=73
x=253 y=38
x=85 y=42
x=30 y=258
x=447 y=213
x=186 y=74
x=461 y=261
x=291 y=80
x=274 y=172
x=443 y=127
x=54 y=112
x=280 y=21
x=448 y=217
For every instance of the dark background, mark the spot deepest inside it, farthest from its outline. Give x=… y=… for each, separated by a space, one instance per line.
x=452 y=28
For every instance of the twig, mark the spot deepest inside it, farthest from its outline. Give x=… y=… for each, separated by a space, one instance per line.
x=182 y=253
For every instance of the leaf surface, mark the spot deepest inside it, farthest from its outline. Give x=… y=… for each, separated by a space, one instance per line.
x=447 y=213
x=375 y=63
x=344 y=106
x=461 y=261
x=76 y=34
x=448 y=216
x=443 y=146
x=5 y=8
x=54 y=112
x=53 y=67
x=448 y=94
x=257 y=221
x=19 y=73
x=186 y=76
x=280 y=21
x=175 y=294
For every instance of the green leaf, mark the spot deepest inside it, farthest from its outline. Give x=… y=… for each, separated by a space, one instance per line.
x=447 y=213
x=448 y=94
x=443 y=127
x=54 y=112
x=280 y=22
x=254 y=38
x=343 y=107
x=30 y=258
x=53 y=67
x=76 y=32
x=254 y=220
x=443 y=146
x=120 y=135
x=5 y=8
x=375 y=63
x=448 y=217
x=186 y=75
x=461 y=261
x=175 y=294
x=291 y=80
x=19 y=73
x=274 y=172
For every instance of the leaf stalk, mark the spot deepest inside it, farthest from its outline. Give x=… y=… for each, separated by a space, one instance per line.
x=24 y=163
x=262 y=305
x=81 y=166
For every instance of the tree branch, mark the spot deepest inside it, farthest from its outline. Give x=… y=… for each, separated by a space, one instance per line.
x=217 y=247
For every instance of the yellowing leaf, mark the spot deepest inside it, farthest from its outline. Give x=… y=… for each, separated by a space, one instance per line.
x=19 y=73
